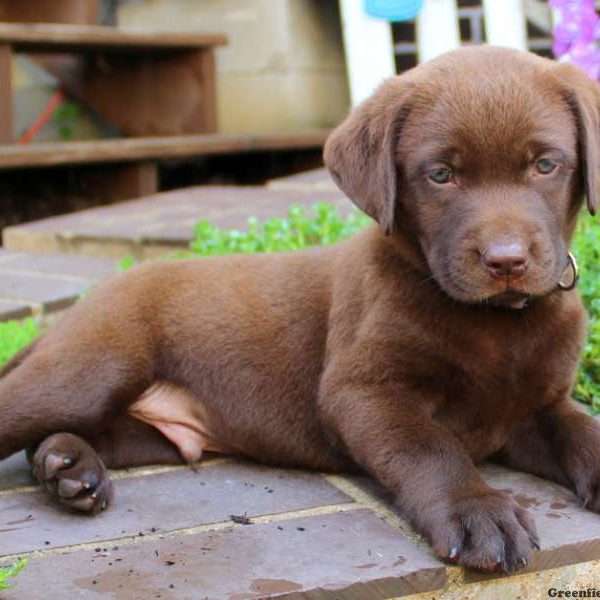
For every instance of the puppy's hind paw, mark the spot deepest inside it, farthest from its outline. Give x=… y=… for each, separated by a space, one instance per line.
x=71 y=472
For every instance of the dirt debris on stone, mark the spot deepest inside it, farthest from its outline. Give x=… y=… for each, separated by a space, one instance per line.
x=241 y=519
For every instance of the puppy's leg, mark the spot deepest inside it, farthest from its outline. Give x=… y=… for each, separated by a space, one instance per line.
x=77 y=379
x=436 y=483
x=73 y=470
x=131 y=443
x=560 y=443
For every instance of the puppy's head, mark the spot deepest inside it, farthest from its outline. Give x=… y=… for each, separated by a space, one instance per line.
x=481 y=158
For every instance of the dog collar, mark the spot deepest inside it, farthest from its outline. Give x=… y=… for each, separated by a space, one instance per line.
x=574 y=267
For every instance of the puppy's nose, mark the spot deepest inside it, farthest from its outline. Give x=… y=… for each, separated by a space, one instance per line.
x=504 y=260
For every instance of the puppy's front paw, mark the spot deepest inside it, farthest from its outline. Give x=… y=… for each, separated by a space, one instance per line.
x=580 y=462
x=586 y=481
x=486 y=530
x=71 y=471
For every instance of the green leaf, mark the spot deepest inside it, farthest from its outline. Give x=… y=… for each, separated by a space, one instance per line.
x=301 y=228
x=11 y=572
x=15 y=335
x=126 y=263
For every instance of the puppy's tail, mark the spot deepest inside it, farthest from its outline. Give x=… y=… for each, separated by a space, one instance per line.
x=18 y=358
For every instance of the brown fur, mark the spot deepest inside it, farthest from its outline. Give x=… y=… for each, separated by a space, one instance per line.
x=395 y=351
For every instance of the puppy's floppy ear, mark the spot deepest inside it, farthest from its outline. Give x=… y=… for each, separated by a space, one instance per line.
x=583 y=97
x=360 y=152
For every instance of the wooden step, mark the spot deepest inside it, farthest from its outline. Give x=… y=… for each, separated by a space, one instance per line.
x=44 y=37
x=144 y=83
x=153 y=148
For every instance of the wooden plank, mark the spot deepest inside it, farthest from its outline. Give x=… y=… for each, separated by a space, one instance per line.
x=437 y=29
x=6 y=98
x=208 y=90
x=77 y=38
x=369 y=49
x=50 y=11
x=153 y=148
x=539 y=14
x=505 y=23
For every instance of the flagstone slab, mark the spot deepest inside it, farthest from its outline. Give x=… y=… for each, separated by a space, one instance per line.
x=39 y=284
x=152 y=225
x=178 y=499
x=341 y=555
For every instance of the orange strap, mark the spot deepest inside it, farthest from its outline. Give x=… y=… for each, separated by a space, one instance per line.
x=53 y=103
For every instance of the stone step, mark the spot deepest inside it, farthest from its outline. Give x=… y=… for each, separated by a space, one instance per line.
x=315 y=180
x=158 y=224
x=40 y=284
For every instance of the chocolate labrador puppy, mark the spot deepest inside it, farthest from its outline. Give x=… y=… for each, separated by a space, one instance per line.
x=444 y=335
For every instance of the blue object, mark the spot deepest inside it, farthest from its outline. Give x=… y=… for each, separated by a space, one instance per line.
x=393 y=10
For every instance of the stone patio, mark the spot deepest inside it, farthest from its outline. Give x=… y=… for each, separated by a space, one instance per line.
x=170 y=534
x=33 y=284
x=315 y=180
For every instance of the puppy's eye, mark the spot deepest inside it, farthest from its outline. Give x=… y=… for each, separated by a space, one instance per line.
x=440 y=176
x=545 y=166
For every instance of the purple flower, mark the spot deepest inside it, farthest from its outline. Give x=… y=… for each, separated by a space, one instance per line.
x=576 y=35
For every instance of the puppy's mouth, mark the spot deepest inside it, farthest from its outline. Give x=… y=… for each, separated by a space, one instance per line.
x=470 y=284
x=513 y=299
